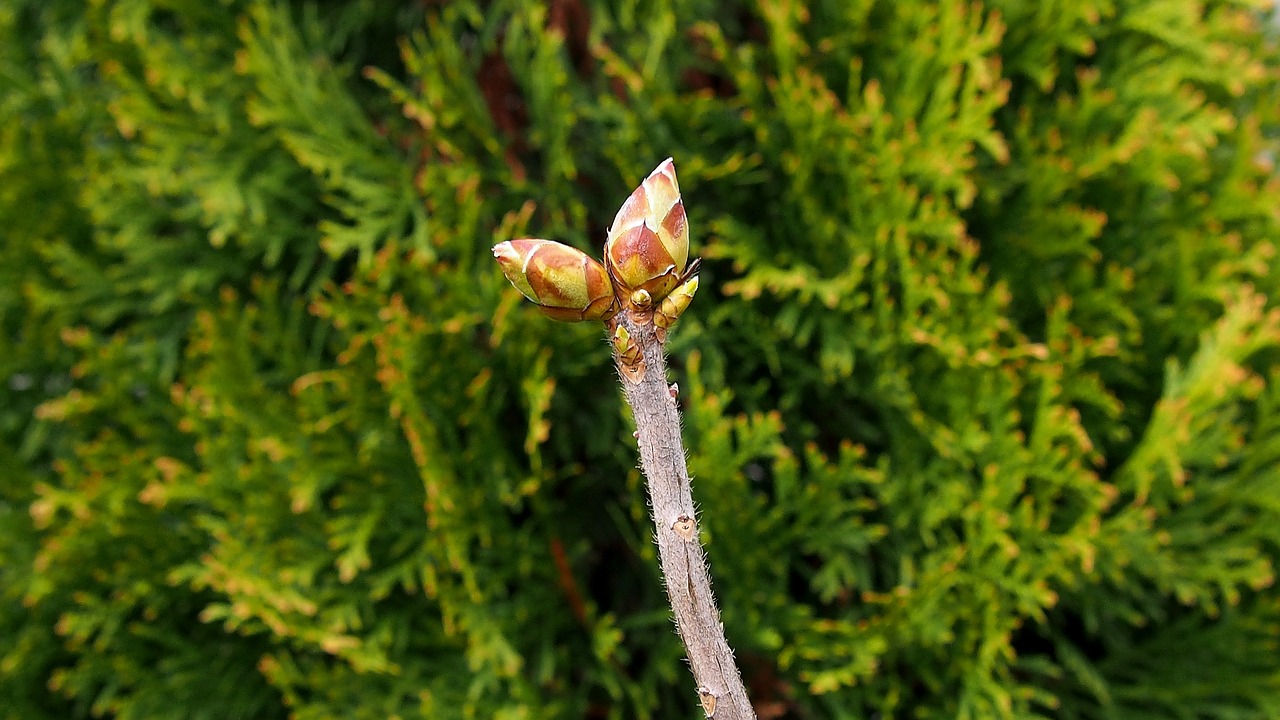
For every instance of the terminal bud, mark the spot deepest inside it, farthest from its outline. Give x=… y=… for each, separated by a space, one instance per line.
x=648 y=244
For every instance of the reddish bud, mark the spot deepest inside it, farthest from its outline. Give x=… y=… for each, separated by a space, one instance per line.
x=648 y=244
x=566 y=283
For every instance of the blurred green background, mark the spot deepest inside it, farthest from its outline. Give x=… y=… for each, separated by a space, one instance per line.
x=981 y=385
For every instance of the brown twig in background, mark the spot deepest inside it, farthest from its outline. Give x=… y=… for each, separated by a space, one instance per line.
x=568 y=584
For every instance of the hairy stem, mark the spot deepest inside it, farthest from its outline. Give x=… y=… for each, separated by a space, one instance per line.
x=684 y=565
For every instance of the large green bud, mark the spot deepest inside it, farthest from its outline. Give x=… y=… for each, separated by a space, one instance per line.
x=566 y=283
x=648 y=244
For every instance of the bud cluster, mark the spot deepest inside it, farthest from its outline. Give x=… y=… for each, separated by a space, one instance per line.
x=646 y=271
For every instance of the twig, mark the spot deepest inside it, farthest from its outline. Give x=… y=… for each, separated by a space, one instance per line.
x=684 y=566
x=644 y=285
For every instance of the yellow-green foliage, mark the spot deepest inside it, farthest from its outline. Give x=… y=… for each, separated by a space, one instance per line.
x=980 y=384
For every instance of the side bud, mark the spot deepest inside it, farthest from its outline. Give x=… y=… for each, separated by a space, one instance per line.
x=630 y=357
x=674 y=304
x=648 y=244
x=564 y=282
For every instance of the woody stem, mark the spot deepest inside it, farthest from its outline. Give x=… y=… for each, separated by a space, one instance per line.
x=684 y=565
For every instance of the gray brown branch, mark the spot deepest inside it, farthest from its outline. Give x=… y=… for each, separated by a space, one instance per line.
x=684 y=567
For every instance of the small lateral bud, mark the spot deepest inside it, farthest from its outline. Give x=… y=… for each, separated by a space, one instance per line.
x=630 y=357
x=641 y=300
x=670 y=309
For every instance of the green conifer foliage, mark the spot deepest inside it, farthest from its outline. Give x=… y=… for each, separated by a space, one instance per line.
x=981 y=385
